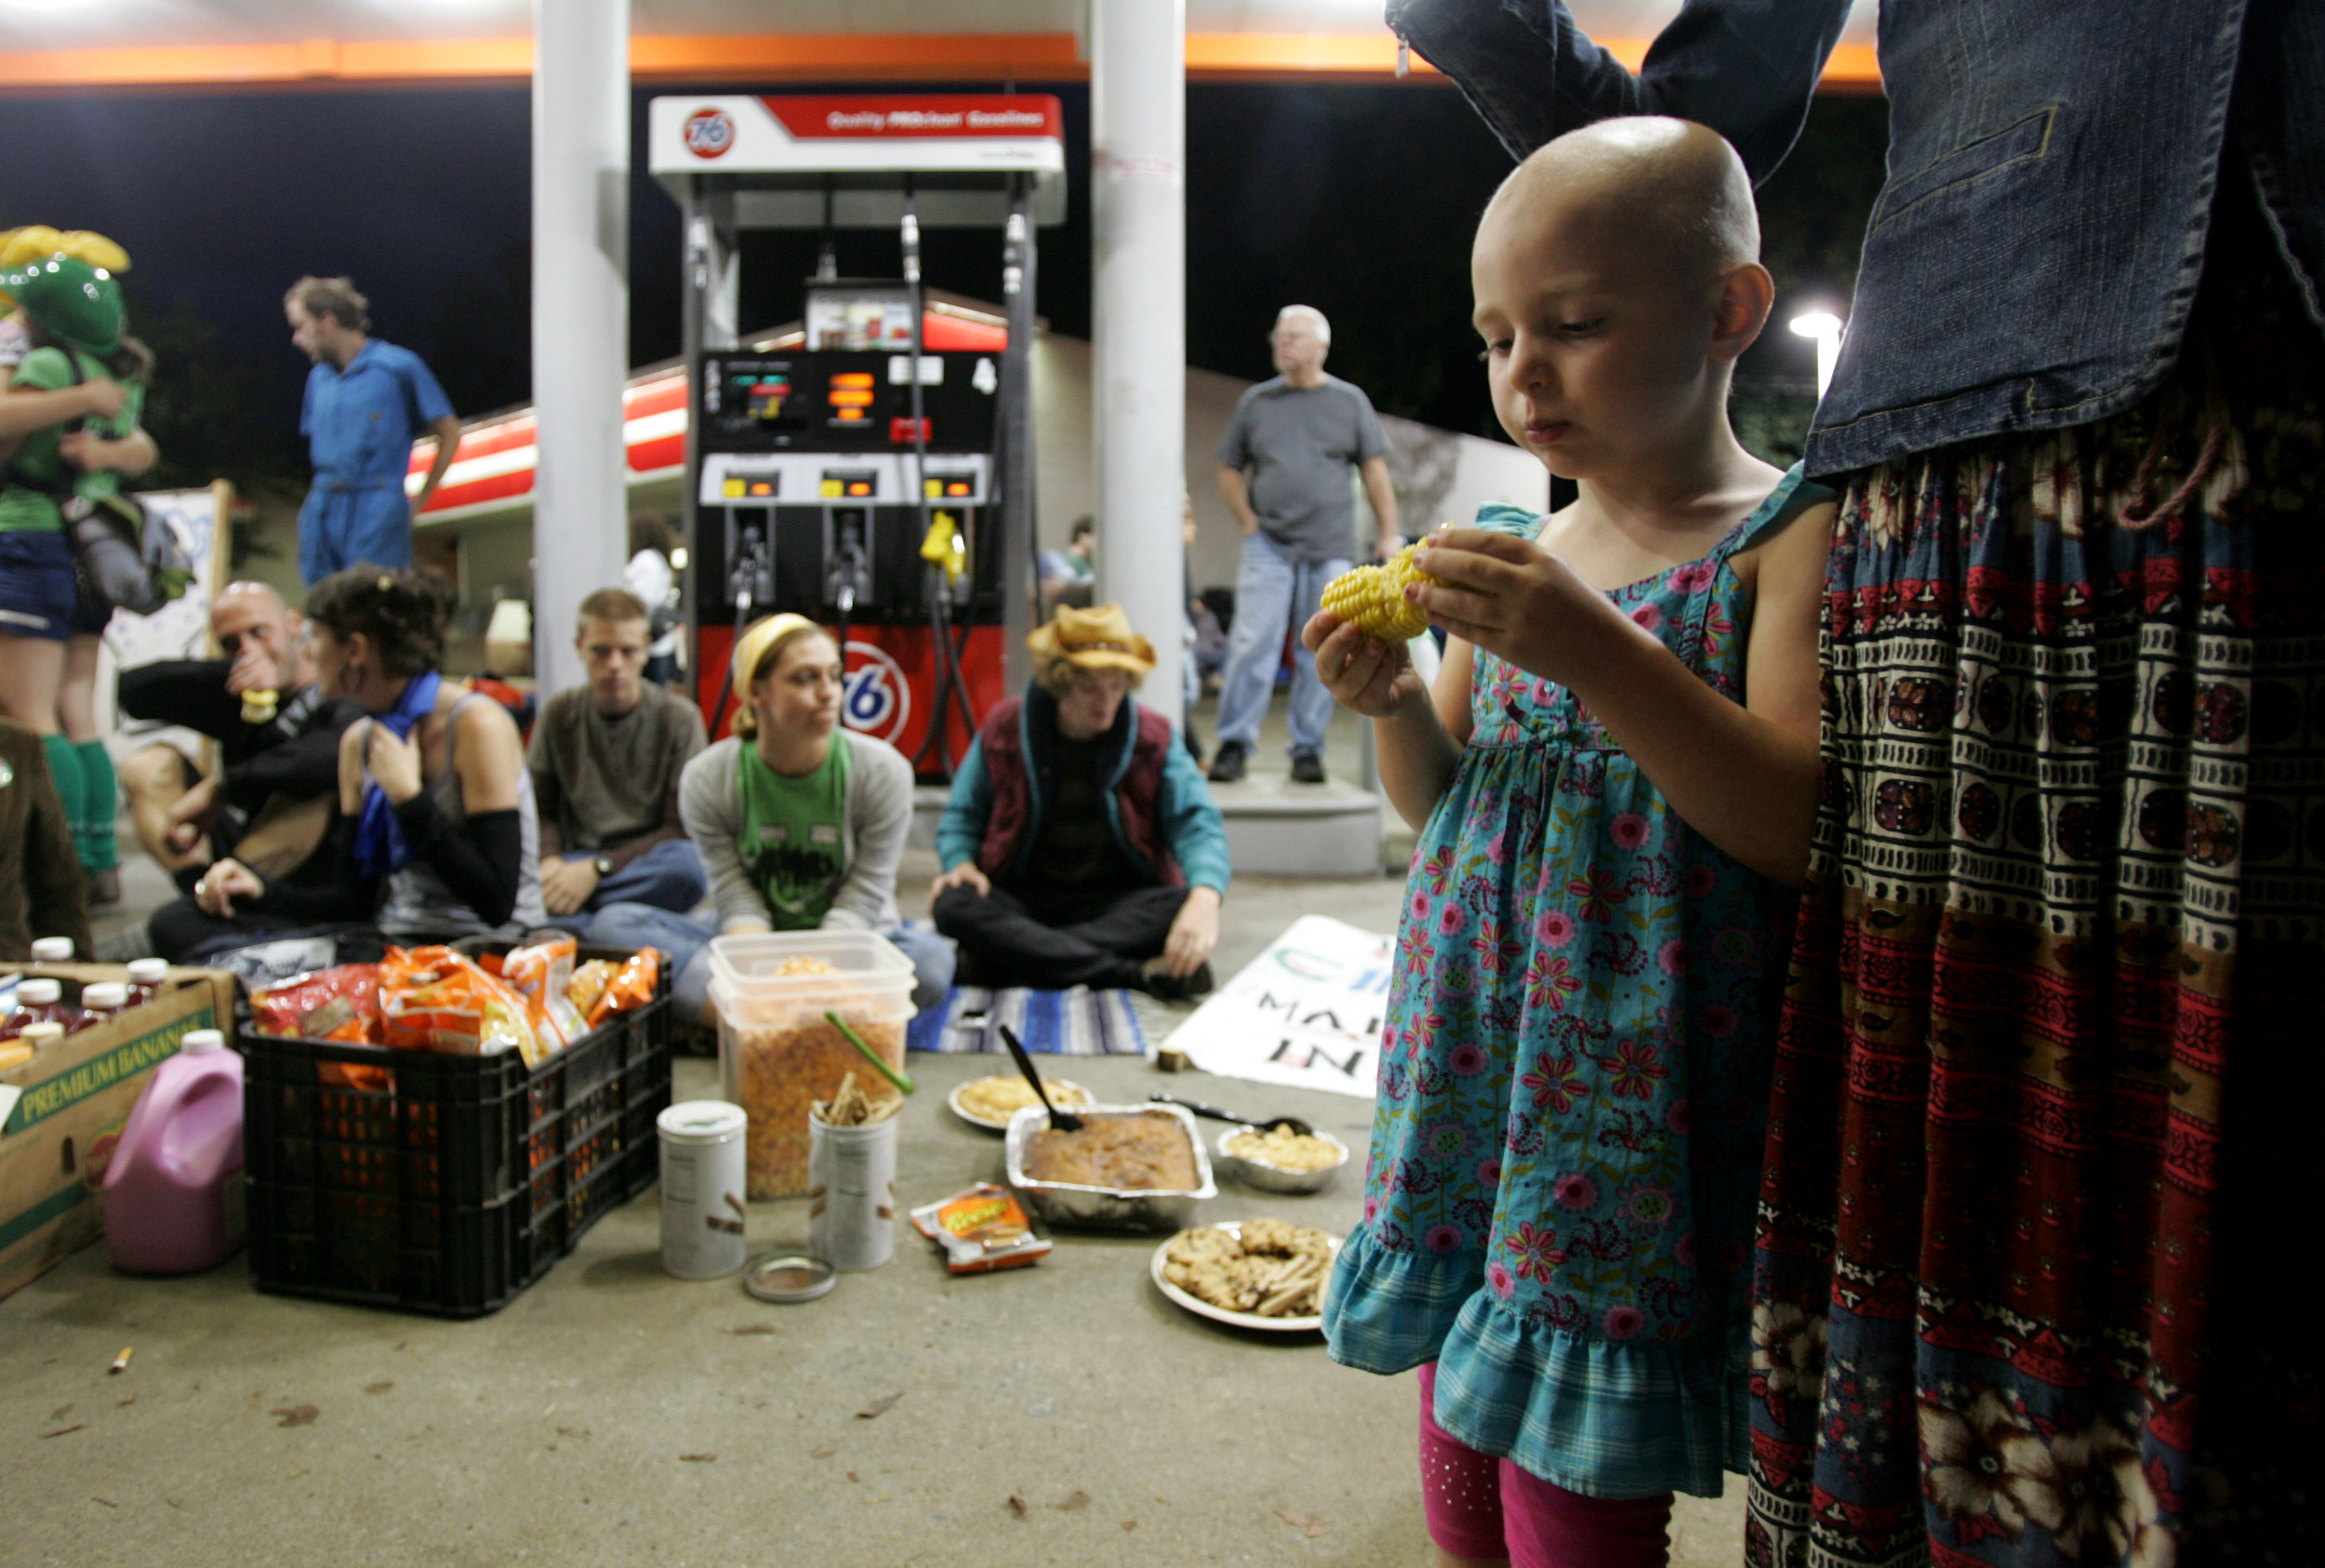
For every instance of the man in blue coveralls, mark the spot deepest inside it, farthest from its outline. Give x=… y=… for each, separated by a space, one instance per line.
x=366 y=403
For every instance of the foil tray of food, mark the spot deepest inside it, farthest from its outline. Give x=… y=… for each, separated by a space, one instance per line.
x=1131 y=1167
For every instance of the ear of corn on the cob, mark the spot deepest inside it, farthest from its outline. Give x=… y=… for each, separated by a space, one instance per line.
x=1372 y=599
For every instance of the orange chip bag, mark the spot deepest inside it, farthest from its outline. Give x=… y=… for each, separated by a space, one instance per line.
x=339 y=1004
x=633 y=986
x=434 y=999
x=540 y=974
x=588 y=983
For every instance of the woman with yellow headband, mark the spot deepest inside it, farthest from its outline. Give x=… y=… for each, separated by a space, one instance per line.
x=799 y=822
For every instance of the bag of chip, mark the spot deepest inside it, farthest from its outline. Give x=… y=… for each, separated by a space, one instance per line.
x=588 y=984
x=539 y=973
x=633 y=986
x=339 y=1003
x=434 y=999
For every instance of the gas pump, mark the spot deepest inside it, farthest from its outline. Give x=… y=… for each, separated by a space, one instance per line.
x=875 y=472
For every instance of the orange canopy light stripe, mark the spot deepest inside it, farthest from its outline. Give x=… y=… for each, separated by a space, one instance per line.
x=796 y=57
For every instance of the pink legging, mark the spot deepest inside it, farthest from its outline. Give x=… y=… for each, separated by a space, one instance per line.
x=1480 y=1507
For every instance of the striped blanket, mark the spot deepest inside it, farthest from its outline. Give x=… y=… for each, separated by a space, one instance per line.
x=1080 y=1022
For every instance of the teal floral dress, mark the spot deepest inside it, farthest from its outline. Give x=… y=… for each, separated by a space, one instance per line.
x=1573 y=1081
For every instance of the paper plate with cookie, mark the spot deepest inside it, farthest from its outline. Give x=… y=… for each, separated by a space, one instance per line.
x=1266 y=1274
x=991 y=1102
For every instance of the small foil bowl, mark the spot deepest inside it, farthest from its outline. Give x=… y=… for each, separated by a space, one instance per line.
x=1106 y=1208
x=1275 y=1178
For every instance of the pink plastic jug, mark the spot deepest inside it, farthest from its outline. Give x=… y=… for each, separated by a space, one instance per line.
x=173 y=1193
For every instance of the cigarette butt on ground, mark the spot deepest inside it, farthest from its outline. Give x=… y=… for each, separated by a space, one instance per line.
x=121 y=1362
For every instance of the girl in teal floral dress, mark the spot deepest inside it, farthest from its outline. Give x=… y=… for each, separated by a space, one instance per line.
x=1614 y=782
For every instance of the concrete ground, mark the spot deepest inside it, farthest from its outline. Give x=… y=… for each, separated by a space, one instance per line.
x=613 y=1415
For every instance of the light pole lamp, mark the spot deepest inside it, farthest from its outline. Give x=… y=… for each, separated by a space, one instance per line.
x=1824 y=327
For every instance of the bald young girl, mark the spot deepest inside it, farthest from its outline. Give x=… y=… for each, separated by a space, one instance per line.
x=1613 y=779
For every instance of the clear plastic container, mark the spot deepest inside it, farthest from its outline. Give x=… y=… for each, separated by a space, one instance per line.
x=869 y=972
x=777 y=1053
x=38 y=1001
x=147 y=976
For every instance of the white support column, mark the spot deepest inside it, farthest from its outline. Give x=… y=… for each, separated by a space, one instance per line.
x=580 y=316
x=1138 y=308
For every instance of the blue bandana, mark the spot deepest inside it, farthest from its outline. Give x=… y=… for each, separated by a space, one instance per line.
x=380 y=846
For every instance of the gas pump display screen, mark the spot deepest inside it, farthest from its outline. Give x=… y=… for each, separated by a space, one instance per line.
x=835 y=401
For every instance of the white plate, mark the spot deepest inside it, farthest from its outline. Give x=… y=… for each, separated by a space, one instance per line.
x=1203 y=1308
x=953 y=1099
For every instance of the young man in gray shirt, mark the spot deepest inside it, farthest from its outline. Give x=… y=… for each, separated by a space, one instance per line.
x=606 y=760
x=1284 y=470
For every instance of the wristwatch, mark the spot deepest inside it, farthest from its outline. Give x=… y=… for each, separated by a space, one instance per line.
x=605 y=864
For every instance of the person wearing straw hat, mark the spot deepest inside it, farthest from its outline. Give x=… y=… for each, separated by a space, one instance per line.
x=799 y=822
x=1080 y=844
x=68 y=432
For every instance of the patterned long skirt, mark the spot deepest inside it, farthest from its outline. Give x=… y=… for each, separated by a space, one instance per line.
x=2040 y=1210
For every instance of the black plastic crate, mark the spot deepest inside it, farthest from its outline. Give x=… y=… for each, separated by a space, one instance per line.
x=459 y=1183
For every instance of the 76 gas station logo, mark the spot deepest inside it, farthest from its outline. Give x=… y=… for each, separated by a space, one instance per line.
x=710 y=132
x=875 y=699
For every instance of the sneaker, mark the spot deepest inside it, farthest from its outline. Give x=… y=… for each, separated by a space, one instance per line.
x=1227 y=766
x=1163 y=986
x=104 y=887
x=1307 y=768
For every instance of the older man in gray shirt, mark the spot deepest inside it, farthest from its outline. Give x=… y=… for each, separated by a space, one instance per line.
x=1284 y=470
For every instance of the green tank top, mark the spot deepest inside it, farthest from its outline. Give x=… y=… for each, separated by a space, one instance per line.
x=27 y=504
x=794 y=844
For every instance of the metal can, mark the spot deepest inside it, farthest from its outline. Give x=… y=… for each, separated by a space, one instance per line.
x=702 y=1188
x=852 y=1193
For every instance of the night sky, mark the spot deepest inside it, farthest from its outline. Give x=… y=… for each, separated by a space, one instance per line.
x=1358 y=200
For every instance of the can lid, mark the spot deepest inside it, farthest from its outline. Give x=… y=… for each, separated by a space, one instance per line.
x=38 y=994
x=105 y=993
x=789 y=1278
x=701 y=1121
x=199 y=1041
x=148 y=971
x=53 y=950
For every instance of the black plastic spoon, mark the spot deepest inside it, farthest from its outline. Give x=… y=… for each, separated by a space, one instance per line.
x=1064 y=1121
x=1213 y=1111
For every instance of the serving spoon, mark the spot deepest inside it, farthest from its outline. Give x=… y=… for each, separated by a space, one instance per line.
x=1291 y=1122
x=1063 y=1121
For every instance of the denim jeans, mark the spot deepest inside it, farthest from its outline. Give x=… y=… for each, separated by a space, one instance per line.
x=1273 y=593
x=668 y=876
x=687 y=944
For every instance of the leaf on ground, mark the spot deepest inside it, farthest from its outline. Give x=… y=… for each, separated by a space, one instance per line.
x=295 y=1415
x=822 y=1453
x=879 y=1406
x=1293 y=1518
x=61 y=1412
x=129 y=1398
x=76 y=1427
x=756 y=1328
x=696 y=1459
x=1018 y=1506
x=853 y=1476
x=1077 y=1500
x=1316 y=1530
x=379 y=1388
x=1130 y=1524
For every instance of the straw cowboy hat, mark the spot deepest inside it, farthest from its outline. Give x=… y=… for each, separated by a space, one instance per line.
x=1097 y=638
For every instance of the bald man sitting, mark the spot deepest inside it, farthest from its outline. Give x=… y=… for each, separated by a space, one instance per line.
x=278 y=759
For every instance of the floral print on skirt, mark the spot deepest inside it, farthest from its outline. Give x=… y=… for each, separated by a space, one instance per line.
x=1574 y=1082
x=2042 y=1159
